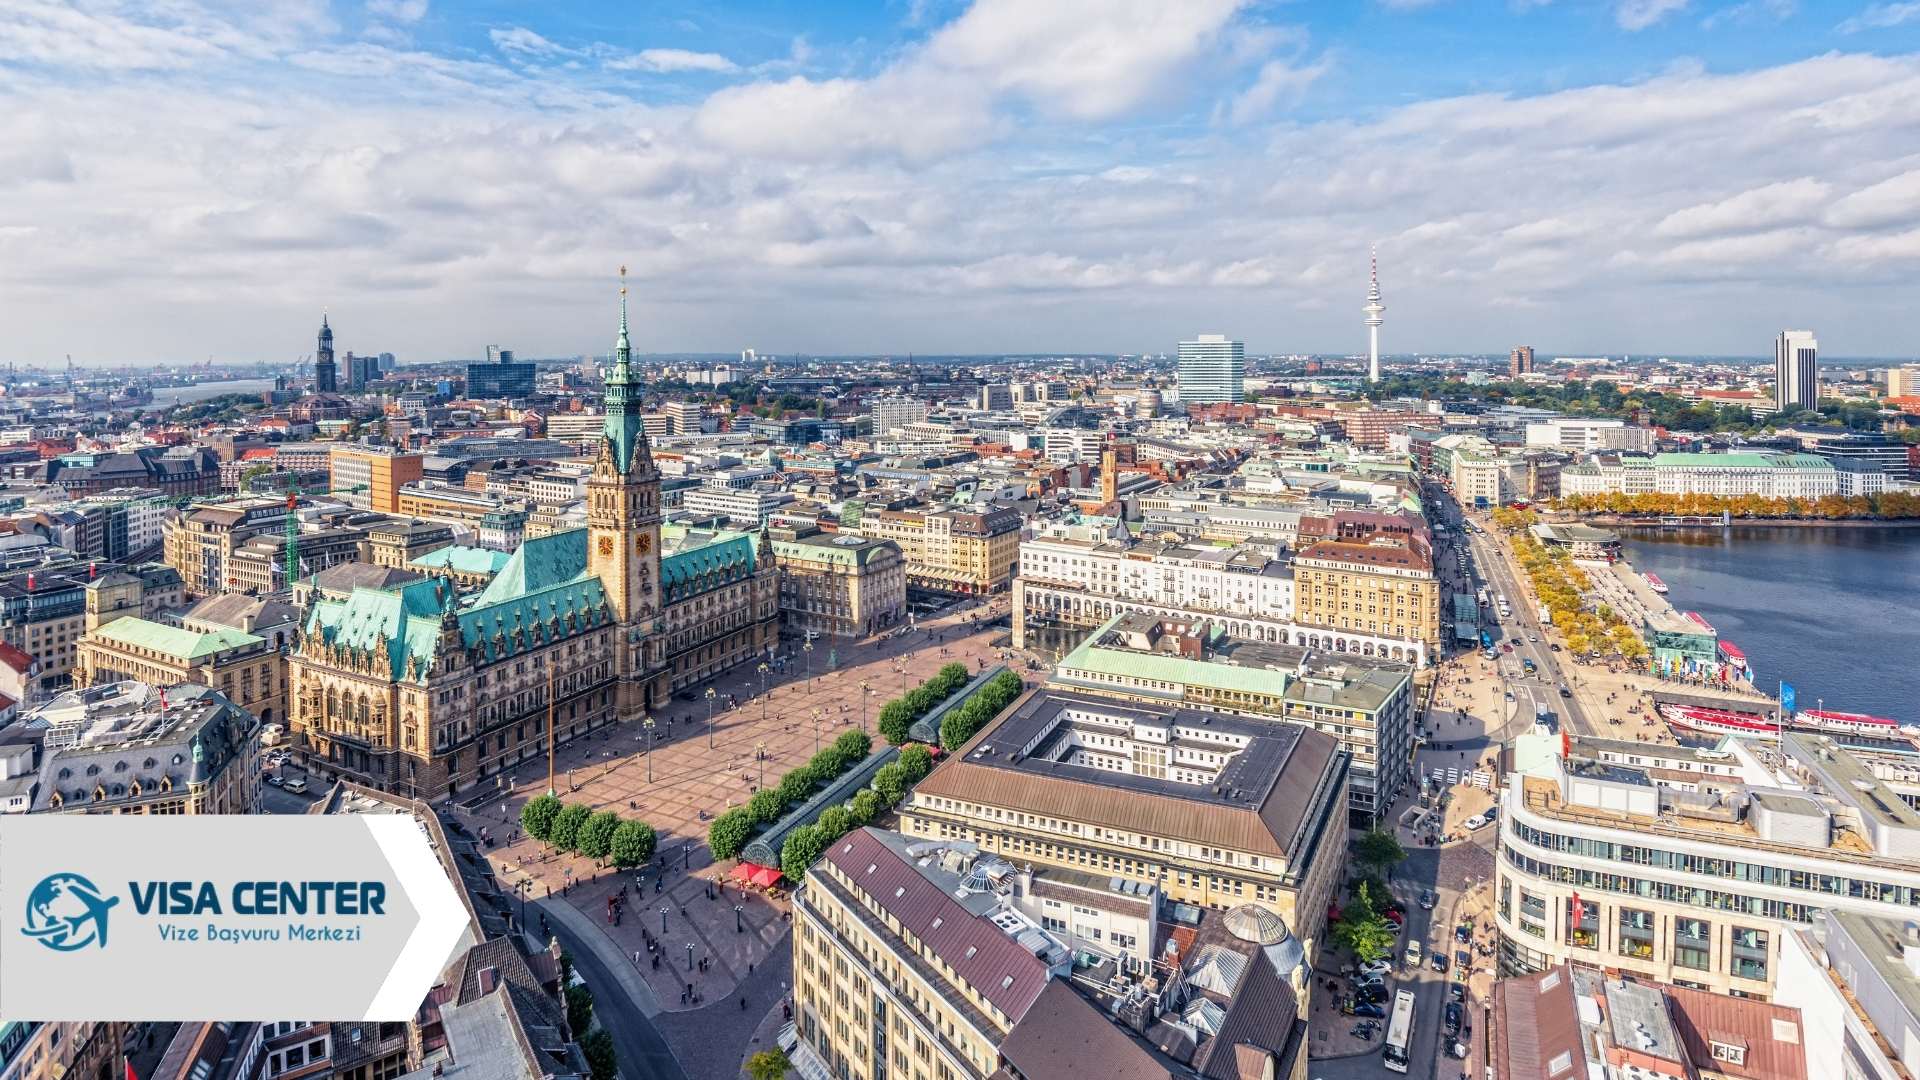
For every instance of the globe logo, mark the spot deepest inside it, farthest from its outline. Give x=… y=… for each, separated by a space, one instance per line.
x=66 y=913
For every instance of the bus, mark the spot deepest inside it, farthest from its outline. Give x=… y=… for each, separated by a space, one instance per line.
x=1400 y=1032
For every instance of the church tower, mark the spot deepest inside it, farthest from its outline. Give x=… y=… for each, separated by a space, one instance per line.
x=623 y=524
x=324 y=379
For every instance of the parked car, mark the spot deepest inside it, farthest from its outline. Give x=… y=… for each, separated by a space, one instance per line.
x=1374 y=1012
x=274 y=780
x=1428 y=899
x=1475 y=823
x=1453 y=1019
x=1376 y=967
x=1457 y=992
x=296 y=785
x=1370 y=995
x=1413 y=954
x=1440 y=962
x=1463 y=933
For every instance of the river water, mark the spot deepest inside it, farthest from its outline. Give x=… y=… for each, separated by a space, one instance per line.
x=1834 y=611
x=166 y=396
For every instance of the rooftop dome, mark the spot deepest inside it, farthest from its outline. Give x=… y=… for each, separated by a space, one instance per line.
x=1251 y=922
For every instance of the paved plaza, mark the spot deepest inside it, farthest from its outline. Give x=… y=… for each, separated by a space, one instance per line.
x=693 y=774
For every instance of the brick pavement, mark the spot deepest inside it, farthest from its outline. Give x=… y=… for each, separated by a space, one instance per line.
x=684 y=782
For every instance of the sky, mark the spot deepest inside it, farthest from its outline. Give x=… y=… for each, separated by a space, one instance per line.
x=192 y=179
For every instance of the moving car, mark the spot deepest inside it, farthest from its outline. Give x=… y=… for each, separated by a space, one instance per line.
x=1413 y=954
x=1427 y=900
x=1565 y=693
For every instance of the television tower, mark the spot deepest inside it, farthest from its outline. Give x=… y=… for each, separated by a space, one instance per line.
x=1373 y=309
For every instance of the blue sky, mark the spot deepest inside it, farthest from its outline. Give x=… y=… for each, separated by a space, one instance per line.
x=955 y=175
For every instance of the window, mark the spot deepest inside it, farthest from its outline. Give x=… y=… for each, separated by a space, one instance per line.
x=1728 y=1052
x=1692 y=944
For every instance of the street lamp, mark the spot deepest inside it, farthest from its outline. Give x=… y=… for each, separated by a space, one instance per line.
x=689 y=956
x=763 y=691
x=866 y=694
x=663 y=920
x=806 y=647
x=816 y=731
x=711 y=695
x=760 y=755
x=648 y=724
x=737 y=928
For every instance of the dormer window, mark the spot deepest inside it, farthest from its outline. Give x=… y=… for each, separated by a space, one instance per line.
x=1731 y=1053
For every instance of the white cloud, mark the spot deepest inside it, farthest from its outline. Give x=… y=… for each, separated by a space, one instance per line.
x=1278 y=80
x=1894 y=201
x=668 y=61
x=1882 y=16
x=520 y=41
x=1750 y=12
x=405 y=11
x=1640 y=14
x=1788 y=203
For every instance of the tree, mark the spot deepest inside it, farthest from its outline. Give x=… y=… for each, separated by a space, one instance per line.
x=579 y=1009
x=537 y=816
x=1362 y=930
x=729 y=833
x=1378 y=850
x=894 y=722
x=632 y=844
x=802 y=847
x=865 y=806
x=765 y=1065
x=834 y=823
x=566 y=826
x=765 y=806
x=890 y=782
x=596 y=835
x=854 y=745
x=598 y=1048
x=916 y=761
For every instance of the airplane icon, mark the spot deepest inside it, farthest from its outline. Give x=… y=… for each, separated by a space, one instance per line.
x=68 y=932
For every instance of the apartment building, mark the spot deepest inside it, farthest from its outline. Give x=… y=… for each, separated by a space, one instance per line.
x=839 y=585
x=920 y=959
x=397 y=543
x=200 y=542
x=1688 y=877
x=1586 y=434
x=745 y=507
x=260 y=564
x=429 y=499
x=1213 y=810
x=1383 y=586
x=248 y=670
x=131 y=748
x=1367 y=704
x=969 y=552
x=378 y=472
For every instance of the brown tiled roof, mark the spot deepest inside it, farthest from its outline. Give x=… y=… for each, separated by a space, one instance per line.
x=1262 y=1015
x=1270 y=829
x=1701 y=1018
x=1063 y=1037
x=1536 y=1021
x=977 y=951
x=1388 y=555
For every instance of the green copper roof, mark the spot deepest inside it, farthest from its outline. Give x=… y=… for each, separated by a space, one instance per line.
x=466 y=560
x=172 y=641
x=702 y=559
x=622 y=398
x=539 y=563
x=1159 y=667
x=1742 y=461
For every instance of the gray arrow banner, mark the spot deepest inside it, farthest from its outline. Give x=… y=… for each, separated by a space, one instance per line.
x=267 y=918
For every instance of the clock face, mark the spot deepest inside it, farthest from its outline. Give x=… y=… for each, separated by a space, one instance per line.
x=606 y=545
x=644 y=542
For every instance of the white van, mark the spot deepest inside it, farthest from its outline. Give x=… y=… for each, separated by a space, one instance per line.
x=297 y=785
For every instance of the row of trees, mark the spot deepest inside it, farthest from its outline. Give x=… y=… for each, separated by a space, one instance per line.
x=1891 y=505
x=805 y=844
x=729 y=833
x=1562 y=587
x=898 y=715
x=574 y=827
x=973 y=714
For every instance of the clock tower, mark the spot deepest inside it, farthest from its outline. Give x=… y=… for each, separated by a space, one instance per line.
x=623 y=525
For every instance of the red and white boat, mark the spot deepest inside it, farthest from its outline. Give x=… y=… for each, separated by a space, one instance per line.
x=1718 y=721
x=1654 y=583
x=1754 y=725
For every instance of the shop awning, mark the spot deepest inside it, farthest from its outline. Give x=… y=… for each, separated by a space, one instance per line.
x=755 y=874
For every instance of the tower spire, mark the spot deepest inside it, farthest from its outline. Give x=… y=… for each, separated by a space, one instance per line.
x=1373 y=309
x=622 y=346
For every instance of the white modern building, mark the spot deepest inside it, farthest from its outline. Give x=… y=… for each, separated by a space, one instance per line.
x=1796 y=370
x=891 y=413
x=744 y=507
x=1586 y=435
x=1768 y=475
x=1662 y=869
x=1213 y=370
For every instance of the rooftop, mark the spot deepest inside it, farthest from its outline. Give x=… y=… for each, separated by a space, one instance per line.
x=185 y=645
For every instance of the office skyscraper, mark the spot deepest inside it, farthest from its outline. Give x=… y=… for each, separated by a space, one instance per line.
x=1213 y=370
x=1796 y=371
x=1520 y=360
x=324 y=378
x=500 y=377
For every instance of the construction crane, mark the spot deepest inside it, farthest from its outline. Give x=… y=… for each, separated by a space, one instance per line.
x=293 y=522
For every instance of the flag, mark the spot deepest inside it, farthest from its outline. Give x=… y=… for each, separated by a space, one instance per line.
x=1786 y=698
x=1579 y=909
x=131 y=1075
